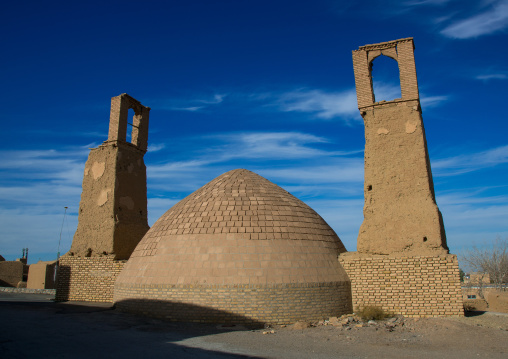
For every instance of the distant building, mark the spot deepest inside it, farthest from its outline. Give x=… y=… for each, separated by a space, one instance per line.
x=41 y=275
x=476 y=278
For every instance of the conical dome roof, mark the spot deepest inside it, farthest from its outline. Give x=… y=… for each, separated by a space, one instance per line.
x=239 y=229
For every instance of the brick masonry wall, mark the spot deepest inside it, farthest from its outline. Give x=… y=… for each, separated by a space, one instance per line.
x=87 y=279
x=404 y=55
x=363 y=79
x=407 y=70
x=248 y=304
x=418 y=286
x=11 y=273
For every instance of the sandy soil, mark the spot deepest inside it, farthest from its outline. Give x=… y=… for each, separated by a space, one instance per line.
x=33 y=326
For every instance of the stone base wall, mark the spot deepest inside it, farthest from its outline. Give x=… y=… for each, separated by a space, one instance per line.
x=87 y=279
x=27 y=290
x=419 y=286
x=247 y=304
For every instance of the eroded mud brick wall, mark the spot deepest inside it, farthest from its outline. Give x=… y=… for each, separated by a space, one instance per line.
x=113 y=207
x=400 y=211
x=402 y=263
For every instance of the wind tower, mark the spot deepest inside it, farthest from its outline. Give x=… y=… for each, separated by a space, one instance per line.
x=402 y=262
x=400 y=211
x=113 y=208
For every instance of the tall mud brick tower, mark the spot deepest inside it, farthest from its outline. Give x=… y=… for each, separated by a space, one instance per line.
x=402 y=263
x=113 y=208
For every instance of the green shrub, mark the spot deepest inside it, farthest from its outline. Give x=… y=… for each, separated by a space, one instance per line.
x=373 y=313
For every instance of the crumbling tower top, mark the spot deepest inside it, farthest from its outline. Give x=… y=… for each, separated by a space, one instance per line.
x=120 y=106
x=402 y=51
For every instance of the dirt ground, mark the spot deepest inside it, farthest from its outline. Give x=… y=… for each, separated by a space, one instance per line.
x=498 y=301
x=34 y=326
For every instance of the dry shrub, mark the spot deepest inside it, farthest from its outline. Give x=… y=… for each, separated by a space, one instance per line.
x=471 y=305
x=373 y=313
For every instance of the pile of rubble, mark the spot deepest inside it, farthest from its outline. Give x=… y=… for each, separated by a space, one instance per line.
x=352 y=321
x=348 y=322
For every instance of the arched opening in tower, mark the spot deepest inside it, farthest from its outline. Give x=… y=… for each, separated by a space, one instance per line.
x=130 y=121
x=385 y=79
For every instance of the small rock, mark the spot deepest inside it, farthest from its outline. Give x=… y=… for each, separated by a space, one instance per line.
x=334 y=321
x=372 y=322
x=300 y=325
x=269 y=332
x=390 y=328
x=359 y=325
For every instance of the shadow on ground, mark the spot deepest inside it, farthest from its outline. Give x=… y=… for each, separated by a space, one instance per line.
x=45 y=329
x=473 y=313
x=184 y=312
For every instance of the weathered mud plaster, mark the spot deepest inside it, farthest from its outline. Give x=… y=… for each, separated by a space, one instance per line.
x=400 y=212
x=402 y=264
x=113 y=208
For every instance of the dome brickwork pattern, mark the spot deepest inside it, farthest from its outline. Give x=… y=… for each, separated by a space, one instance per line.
x=235 y=248
x=242 y=205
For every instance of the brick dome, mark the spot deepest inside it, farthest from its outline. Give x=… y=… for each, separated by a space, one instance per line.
x=239 y=249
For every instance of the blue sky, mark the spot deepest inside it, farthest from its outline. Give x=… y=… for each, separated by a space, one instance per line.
x=262 y=85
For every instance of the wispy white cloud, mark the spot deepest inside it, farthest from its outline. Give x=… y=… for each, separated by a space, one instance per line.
x=386 y=91
x=156 y=147
x=471 y=162
x=271 y=145
x=324 y=105
x=493 y=19
x=217 y=98
x=337 y=171
x=252 y=146
x=444 y=18
x=398 y=8
x=487 y=77
x=471 y=217
x=34 y=188
x=195 y=104
x=432 y=101
x=318 y=103
x=39 y=230
x=55 y=165
x=190 y=109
